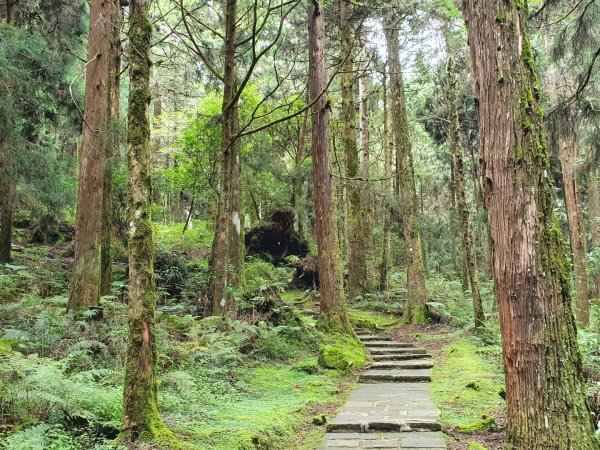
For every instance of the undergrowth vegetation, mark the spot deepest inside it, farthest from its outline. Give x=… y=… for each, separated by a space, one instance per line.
x=249 y=381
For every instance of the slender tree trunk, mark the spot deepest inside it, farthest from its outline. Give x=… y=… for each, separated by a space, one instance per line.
x=546 y=402
x=388 y=188
x=357 y=262
x=568 y=153
x=298 y=180
x=463 y=208
x=141 y=421
x=453 y=227
x=112 y=151
x=6 y=215
x=332 y=301
x=10 y=11
x=6 y=189
x=416 y=309
x=229 y=221
x=86 y=275
x=365 y=168
x=594 y=213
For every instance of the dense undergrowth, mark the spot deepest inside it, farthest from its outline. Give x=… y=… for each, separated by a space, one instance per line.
x=253 y=381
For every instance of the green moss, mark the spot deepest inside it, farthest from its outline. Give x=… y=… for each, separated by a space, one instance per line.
x=319 y=420
x=344 y=354
x=472 y=445
x=453 y=373
x=501 y=18
x=372 y=320
x=519 y=154
x=526 y=123
x=486 y=423
x=310 y=366
x=521 y=5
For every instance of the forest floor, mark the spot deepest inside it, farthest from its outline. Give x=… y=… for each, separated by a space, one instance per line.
x=261 y=380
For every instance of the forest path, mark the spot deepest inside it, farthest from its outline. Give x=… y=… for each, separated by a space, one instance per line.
x=392 y=407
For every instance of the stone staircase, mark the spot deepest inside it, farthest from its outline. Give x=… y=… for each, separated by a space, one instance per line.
x=392 y=407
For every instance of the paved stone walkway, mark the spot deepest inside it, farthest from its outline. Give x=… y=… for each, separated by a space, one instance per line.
x=392 y=407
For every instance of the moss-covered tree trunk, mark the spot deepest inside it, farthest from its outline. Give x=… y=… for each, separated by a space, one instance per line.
x=357 y=261
x=86 y=275
x=460 y=190
x=331 y=288
x=416 y=311
x=141 y=421
x=568 y=154
x=227 y=255
x=112 y=151
x=594 y=215
x=546 y=401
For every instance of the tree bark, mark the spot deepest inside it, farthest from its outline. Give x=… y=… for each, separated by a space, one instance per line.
x=227 y=255
x=594 y=213
x=416 y=309
x=332 y=301
x=546 y=403
x=298 y=180
x=6 y=184
x=141 y=420
x=365 y=168
x=112 y=151
x=388 y=149
x=568 y=154
x=86 y=276
x=357 y=261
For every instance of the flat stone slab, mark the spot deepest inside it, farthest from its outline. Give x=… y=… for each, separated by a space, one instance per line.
x=393 y=407
x=395 y=350
x=400 y=356
x=380 y=343
x=414 y=440
x=407 y=364
x=396 y=375
x=372 y=337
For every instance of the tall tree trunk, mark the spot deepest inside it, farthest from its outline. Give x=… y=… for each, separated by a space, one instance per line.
x=112 y=152
x=594 y=213
x=141 y=421
x=332 y=301
x=6 y=184
x=357 y=261
x=226 y=249
x=545 y=395
x=365 y=167
x=388 y=188
x=463 y=208
x=568 y=154
x=86 y=275
x=6 y=214
x=298 y=180
x=416 y=311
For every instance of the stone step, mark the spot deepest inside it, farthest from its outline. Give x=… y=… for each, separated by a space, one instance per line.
x=395 y=376
x=396 y=350
x=407 y=364
x=428 y=440
x=400 y=356
x=372 y=337
x=388 y=344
